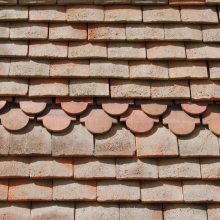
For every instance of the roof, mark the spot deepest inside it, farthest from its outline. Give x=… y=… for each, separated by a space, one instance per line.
x=109 y=109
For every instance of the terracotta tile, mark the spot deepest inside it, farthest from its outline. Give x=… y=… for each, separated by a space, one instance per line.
x=14 y=13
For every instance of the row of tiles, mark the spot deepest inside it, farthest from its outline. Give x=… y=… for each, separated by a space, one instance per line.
x=107 y=211
x=106 y=2
x=109 y=32
x=190 y=191
x=97 y=68
x=118 y=142
x=109 y=168
x=201 y=89
x=100 y=120
x=110 y=50
x=113 y=13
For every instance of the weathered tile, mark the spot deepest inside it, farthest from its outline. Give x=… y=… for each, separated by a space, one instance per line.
x=120 y=13
x=110 y=190
x=67 y=32
x=201 y=191
x=39 y=49
x=160 y=14
x=199 y=14
x=144 y=32
x=29 y=68
x=183 y=32
x=130 y=89
x=133 y=168
x=126 y=51
x=17 y=87
x=37 y=31
x=159 y=142
x=161 y=191
x=77 y=141
x=106 y=32
x=13 y=13
x=204 y=89
x=47 y=13
x=177 y=168
x=202 y=142
x=69 y=68
x=117 y=142
x=67 y=190
x=89 y=87
x=187 y=70
x=170 y=89
x=166 y=51
x=33 y=140
x=48 y=167
x=14 y=167
x=184 y=211
x=78 y=50
x=13 y=48
x=137 y=211
x=96 y=211
x=148 y=70
x=109 y=69
x=93 y=168
x=85 y=13
x=28 y=190
x=52 y=211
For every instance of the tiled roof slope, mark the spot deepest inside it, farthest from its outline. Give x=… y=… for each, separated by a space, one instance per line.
x=109 y=110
